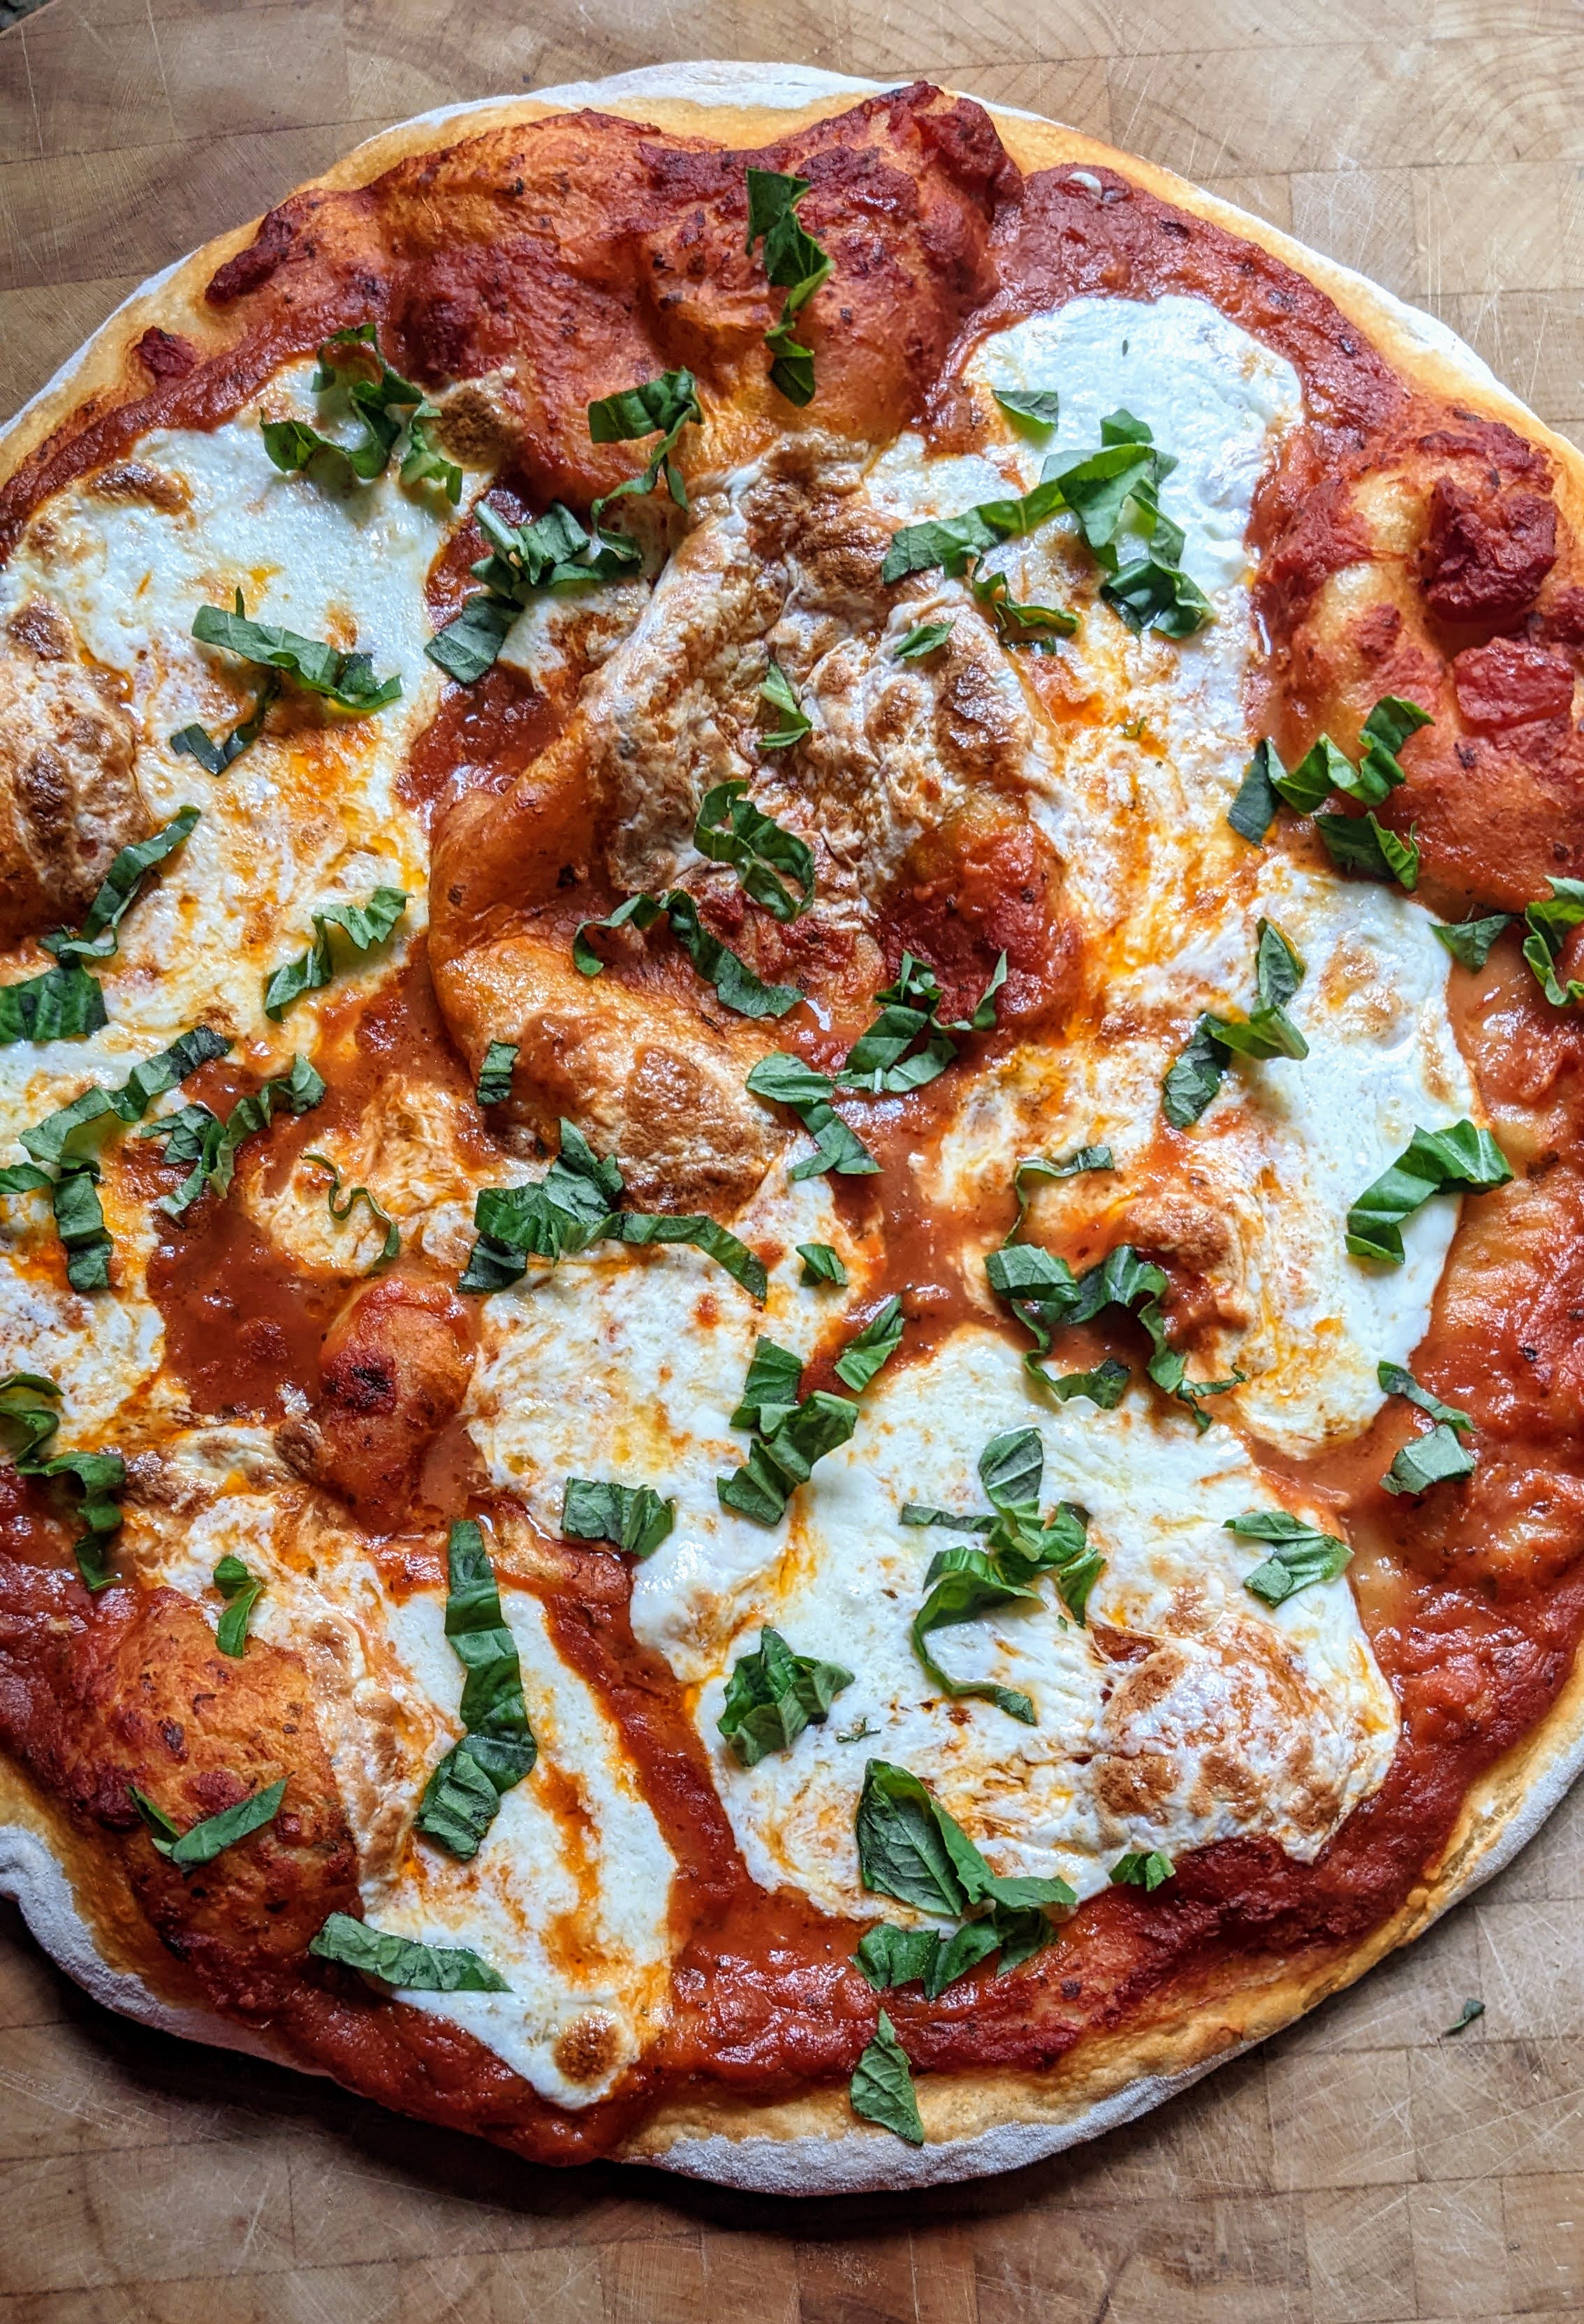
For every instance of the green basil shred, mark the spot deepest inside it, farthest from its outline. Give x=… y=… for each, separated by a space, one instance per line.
x=736 y=986
x=1265 y=1031
x=730 y=829
x=202 y=1843
x=1300 y=1554
x=579 y=1201
x=341 y=1209
x=794 y=263
x=196 y=1139
x=365 y=925
x=1460 y=1160
x=346 y=680
x=498 y=1748
x=773 y=1695
x=633 y=1518
x=385 y=403
x=402 y=1964
x=242 y=1591
x=29 y=1420
x=882 y=2088
x=495 y=1074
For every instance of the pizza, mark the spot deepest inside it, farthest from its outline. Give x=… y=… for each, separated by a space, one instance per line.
x=792 y=881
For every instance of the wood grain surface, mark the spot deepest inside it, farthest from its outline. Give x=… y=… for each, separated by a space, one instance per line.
x=1364 y=2169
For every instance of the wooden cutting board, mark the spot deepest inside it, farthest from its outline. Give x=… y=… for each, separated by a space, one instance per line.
x=1366 y=2169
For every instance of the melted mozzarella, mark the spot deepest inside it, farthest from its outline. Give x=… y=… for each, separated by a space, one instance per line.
x=1252 y=1720
x=1238 y=1720
x=568 y=1896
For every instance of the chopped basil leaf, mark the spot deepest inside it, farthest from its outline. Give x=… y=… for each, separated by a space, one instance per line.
x=204 y=1841
x=868 y=1350
x=795 y=722
x=1117 y=491
x=1141 y=1869
x=950 y=541
x=398 y=1962
x=1323 y=769
x=198 y=1139
x=346 y=680
x=783 y=1457
x=771 y=1389
x=74 y=1193
x=494 y=1076
x=1253 y=811
x=1398 y=1382
x=196 y=741
x=821 y=1263
x=737 y=987
x=576 y=1203
x=242 y=1591
x=1195 y=1078
x=879 y=1060
x=1042 y=405
x=96 y=938
x=889 y=1956
x=1266 y=1031
x=882 y=2088
x=1015 y=623
x=1044 y=1166
x=1466 y=2016
x=365 y=926
x=1549 y=922
x=143 y=1086
x=552 y=553
x=1105 y=1386
x=341 y=1210
x=385 y=405
x=794 y=263
x=964 y=1582
x=633 y=1518
x=28 y=1417
x=63 y=1004
x=498 y=1748
x=1045 y=1297
x=662 y=407
x=773 y=1695
x=910 y=1848
x=1460 y=1160
x=1429 y=1461
x=1470 y=941
x=1301 y=1554
x=1361 y=843
x=786 y=1080
x=731 y=829
x=923 y=638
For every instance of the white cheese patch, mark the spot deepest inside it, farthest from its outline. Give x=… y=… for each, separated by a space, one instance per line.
x=618 y=1368
x=1251 y=1722
x=568 y=1896
x=307 y=815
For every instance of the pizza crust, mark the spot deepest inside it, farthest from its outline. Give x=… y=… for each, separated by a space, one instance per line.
x=977 y=2123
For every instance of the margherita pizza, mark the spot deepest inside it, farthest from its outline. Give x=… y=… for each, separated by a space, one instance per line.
x=793 y=1232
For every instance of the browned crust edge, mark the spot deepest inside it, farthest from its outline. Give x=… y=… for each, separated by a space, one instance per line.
x=1109 y=2078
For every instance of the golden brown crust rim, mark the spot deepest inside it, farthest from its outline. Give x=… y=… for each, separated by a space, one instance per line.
x=1509 y=1801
